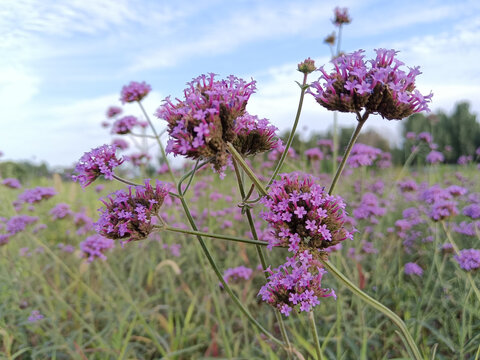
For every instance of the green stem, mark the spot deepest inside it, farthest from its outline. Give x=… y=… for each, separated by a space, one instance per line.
x=457 y=251
x=303 y=88
x=260 y=254
x=157 y=137
x=348 y=150
x=125 y=181
x=220 y=276
x=214 y=236
x=408 y=340
x=313 y=329
x=236 y=155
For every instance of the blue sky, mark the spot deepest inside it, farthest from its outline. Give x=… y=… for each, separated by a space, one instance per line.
x=62 y=63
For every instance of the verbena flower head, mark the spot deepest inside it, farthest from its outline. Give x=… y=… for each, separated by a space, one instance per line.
x=303 y=215
x=239 y=272
x=307 y=66
x=61 y=211
x=120 y=144
x=341 y=16
x=37 y=194
x=95 y=246
x=377 y=86
x=468 y=259
x=113 y=111
x=472 y=211
x=128 y=213
x=435 y=157
x=134 y=91
x=12 y=183
x=212 y=114
x=413 y=269
x=99 y=161
x=297 y=284
x=363 y=155
x=18 y=223
x=124 y=125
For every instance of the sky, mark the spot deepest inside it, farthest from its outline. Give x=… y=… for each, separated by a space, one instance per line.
x=63 y=63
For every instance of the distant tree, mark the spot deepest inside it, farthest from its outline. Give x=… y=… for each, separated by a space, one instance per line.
x=460 y=130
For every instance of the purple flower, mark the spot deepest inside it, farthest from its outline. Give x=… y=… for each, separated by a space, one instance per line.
x=314 y=154
x=239 y=272
x=99 y=161
x=369 y=208
x=425 y=136
x=381 y=88
x=134 y=91
x=297 y=284
x=60 y=211
x=302 y=213
x=124 y=125
x=128 y=214
x=113 y=111
x=435 y=157
x=363 y=155
x=413 y=269
x=472 y=211
x=212 y=114
x=120 y=144
x=12 y=183
x=18 y=223
x=138 y=159
x=35 y=316
x=443 y=209
x=35 y=195
x=95 y=246
x=468 y=259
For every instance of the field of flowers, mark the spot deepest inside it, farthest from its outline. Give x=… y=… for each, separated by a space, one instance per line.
x=250 y=249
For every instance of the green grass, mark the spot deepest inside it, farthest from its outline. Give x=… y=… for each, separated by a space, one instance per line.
x=144 y=303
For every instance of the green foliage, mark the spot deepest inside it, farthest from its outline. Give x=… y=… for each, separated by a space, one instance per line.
x=24 y=171
x=460 y=130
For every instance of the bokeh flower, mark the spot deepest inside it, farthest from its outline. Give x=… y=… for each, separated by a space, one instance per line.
x=134 y=91
x=468 y=259
x=98 y=161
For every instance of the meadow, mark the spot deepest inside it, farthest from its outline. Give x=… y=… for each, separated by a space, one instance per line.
x=157 y=298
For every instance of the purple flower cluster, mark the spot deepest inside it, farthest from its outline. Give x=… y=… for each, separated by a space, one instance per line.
x=369 y=208
x=12 y=183
x=35 y=316
x=297 y=284
x=472 y=211
x=120 y=144
x=99 y=161
x=113 y=111
x=128 y=214
x=134 y=91
x=435 y=157
x=14 y=225
x=314 y=154
x=441 y=202
x=60 y=211
x=35 y=195
x=468 y=259
x=363 y=155
x=381 y=89
x=303 y=215
x=124 y=125
x=95 y=246
x=212 y=114
x=413 y=269
x=239 y=272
